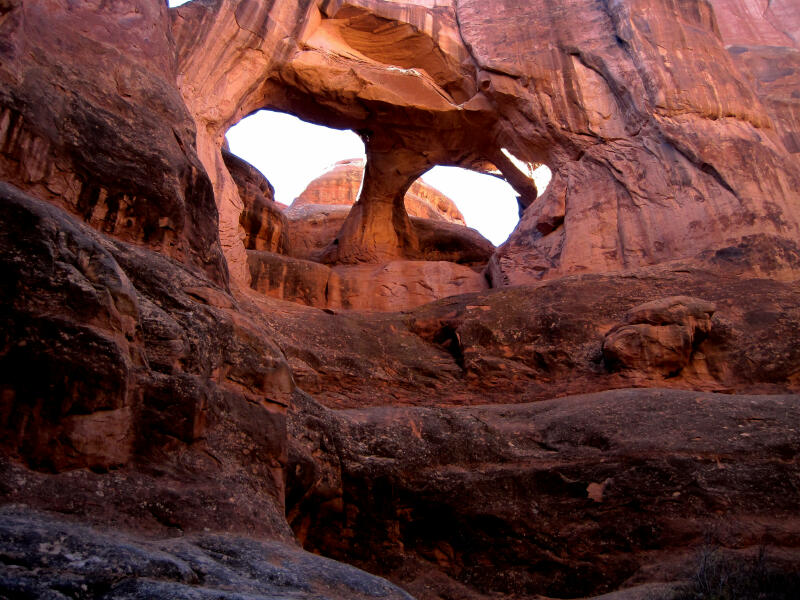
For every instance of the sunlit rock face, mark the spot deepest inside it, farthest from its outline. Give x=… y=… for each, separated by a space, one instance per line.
x=285 y=249
x=317 y=215
x=638 y=143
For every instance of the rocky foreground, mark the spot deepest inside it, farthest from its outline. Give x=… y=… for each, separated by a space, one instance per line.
x=206 y=395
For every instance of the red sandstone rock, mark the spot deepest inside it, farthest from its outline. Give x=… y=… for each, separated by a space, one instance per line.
x=660 y=335
x=396 y=286
x=262 y=218
x=127 y=363
x=340 y=186
x=91 y=120
x=651 y=163
x=563 y=498
x=138 y=393
x=313 y=227
x=537 y=342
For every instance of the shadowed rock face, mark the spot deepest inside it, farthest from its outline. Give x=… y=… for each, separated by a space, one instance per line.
x=81 y=561
x=563 y=437
x=563 y=498
x=262 y=218
x=123 y=373
x=91 y=121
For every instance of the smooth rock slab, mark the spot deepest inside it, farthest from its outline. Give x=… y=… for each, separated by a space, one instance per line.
x=42 y=556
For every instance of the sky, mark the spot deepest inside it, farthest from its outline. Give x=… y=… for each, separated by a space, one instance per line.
x=291 y=153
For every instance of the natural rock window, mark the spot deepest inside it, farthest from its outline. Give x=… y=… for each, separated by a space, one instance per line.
x=487 y=201
x=290 y=152
x=292 y=221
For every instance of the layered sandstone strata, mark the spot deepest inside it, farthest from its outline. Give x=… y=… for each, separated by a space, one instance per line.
x=638 y=144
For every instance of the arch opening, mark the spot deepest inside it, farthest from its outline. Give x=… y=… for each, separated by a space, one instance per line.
x=298 y=183
x=295 y=155
x=487 y=201
x=290 y=152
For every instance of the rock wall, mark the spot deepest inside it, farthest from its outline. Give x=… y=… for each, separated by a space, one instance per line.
x=128 y=379
x=262 y=218
x=480 y=502
x=157 y=436
x=637 y=142
x=91 y=120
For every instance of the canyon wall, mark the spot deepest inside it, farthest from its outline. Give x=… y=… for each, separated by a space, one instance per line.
x=637 y=142
x=623 y=395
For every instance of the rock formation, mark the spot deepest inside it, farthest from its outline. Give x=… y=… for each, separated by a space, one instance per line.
x=635 y=141
x=340 y=187
x=261 y=218
x=619 y=387
x=319 y=212
x=285 y=249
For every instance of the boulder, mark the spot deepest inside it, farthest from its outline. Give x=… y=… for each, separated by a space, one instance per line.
x=660 y=335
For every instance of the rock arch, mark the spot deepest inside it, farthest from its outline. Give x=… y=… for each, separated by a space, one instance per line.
x=650 y=162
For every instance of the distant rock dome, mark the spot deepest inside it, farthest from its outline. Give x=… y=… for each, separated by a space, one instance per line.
x=341 y=184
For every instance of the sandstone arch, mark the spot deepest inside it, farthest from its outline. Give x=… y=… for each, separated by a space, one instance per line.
x=650 y=162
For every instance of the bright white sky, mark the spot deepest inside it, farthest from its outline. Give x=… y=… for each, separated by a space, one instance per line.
x=291 y=153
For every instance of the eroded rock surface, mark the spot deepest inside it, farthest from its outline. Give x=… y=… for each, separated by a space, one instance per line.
x=128 y=379
x=536 y=342
x=395 y=286
x=637 y=142
x=660 y=335
x=262 y=218
x=91 y=120
x=54 y=558
x=483 y=502
x=142 y=395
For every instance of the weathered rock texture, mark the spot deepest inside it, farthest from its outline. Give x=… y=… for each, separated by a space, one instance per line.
x=650 y=161
x=660 y=336
x=481 y=502
x=395 y=286
x=144 y=401
x=53 y=558
x=90 y=120
x=262 y=218
x=133 y=390
x=536 y=342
